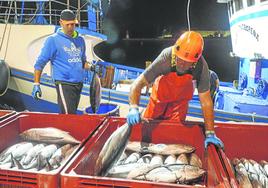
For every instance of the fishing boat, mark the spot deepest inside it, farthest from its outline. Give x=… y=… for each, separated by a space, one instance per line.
x=26 y=24
x=247 y=97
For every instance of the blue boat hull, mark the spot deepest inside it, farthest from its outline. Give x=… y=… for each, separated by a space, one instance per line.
x=16 y=100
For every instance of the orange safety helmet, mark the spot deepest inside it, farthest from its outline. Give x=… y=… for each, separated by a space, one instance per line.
x=189 y=46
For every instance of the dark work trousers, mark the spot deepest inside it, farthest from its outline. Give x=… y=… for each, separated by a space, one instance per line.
x=68 y=96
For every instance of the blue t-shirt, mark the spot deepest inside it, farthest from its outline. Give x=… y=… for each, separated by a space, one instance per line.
x=67 y=57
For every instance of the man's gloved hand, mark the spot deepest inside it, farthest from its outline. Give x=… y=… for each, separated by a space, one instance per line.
x=36 y=93
x=133 y=116
x=92 y=67
x=211 y=138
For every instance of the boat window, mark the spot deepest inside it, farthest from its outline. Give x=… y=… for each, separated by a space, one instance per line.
x=238 y=5
x=250 y=2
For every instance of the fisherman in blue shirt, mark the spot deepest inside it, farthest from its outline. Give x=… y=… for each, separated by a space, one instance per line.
x=65 y=49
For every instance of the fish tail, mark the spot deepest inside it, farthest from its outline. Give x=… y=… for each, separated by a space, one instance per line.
x=49 y=166
x=58 y=163
x=18 y=164
x=12 y=161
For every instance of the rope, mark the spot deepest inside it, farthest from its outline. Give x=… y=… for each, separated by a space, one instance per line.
x=188 y=15
x=4 y=33
x=7 y=43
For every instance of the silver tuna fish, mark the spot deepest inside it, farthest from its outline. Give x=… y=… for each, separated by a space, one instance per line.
x=157 y=160
x=122 y=171
x=6 y=153
x=122 y=159
x=195 y=160
x=242 y=176
x=136 y=146
x=133 y=158
x=161 y=149
x=40 y=160
x=112 y=149
x=174 y=173
x=49 y=135
x=141 y=170
x=171 y=159
x=169 y=149
x=32 y=153
x=58 y=156
x=264 y=164
x=45 y=154
x=182 y=159
x=258 y=168
x=19 y=152
x=95 y=92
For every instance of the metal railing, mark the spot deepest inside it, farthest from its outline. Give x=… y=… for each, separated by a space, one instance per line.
x=48 y=12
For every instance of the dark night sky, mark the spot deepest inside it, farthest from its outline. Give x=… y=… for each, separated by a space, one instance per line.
x=147 y=18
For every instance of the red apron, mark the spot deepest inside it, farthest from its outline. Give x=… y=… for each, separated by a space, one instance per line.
x=170 y=96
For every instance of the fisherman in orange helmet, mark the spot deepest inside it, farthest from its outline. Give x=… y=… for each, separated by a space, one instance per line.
x=172 y=73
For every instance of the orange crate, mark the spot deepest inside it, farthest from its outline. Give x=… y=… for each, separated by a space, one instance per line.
x=79 y=126
x=246 y=140
x=157 y=132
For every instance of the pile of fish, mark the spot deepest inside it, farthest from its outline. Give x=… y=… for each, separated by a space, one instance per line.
x=251 y=174
x=169 y=163
x=41 y=148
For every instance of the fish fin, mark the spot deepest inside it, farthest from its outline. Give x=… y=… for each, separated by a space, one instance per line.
x=49 y=167
x=12 y=161
x=17 y=162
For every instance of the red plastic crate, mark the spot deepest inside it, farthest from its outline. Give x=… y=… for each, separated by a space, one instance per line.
x=6 y=115
x=157 y=132
x=79 y=126
x=242 y=140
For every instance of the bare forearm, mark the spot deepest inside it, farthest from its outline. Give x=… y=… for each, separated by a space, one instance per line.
x=37 y=76
x=208 y=110
x=135 y=91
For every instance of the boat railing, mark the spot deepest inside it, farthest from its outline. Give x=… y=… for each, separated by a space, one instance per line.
x=47 y=12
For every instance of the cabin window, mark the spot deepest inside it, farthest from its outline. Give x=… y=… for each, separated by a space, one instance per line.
x=238 y=4
x=250 y=2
